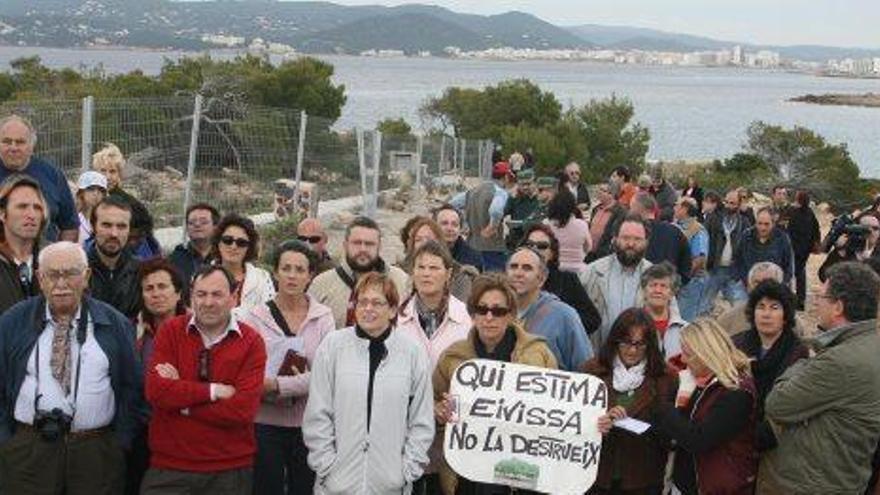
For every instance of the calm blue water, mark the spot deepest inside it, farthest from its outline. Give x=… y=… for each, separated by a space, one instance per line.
x=692 y=113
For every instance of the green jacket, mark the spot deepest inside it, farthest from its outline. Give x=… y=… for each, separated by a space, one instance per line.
x=828 y=408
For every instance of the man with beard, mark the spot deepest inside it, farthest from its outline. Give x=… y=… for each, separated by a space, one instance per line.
x=725 y=229
x=114 y=269
x=614 y=282
x=544 y=314
x=334 y=288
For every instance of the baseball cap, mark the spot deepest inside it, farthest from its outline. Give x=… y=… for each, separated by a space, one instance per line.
x=91 y=179
x=500 y=170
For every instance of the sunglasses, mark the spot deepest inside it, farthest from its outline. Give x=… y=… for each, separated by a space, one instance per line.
x=205 y=365
x=239 y=242
x=314 y=239
x=496 y=311
x=539 y=245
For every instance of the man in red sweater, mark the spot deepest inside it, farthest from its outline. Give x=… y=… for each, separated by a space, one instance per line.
x=204 y=384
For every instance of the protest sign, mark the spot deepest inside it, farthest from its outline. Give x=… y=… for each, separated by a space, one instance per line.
x=525 y=427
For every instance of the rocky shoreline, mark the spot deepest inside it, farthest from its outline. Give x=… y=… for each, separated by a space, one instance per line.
x=852 y=100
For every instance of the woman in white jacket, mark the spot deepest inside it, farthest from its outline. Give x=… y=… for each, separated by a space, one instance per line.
x=369 y=420
x=236 y=245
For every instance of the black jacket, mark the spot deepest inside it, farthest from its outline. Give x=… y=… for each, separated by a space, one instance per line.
x=803 y=229
x=750 y=251
x=666 y=242
x=187 y=261
x=118 y=288
x=12 y=290
x=567 y=287
x=715 y=226
x=466 y=255
x=21 y=326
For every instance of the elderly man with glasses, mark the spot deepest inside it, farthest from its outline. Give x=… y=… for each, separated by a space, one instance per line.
x=70 y=385
x=311 y=232
x=189 y=256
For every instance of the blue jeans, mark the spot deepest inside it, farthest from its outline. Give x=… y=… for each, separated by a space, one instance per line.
x=692 y=300
x=721 y=279
x=494 y=261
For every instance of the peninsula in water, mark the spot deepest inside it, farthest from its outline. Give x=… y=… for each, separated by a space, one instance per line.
x=852 y=100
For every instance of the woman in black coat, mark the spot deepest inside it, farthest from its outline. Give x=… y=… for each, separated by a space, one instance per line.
x=565 y=285
x=803 y=229
x=772 y=345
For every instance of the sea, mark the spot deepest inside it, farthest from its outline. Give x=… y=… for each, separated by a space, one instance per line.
x=692 y=113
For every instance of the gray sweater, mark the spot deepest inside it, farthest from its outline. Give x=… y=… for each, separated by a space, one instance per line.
x=346 y=457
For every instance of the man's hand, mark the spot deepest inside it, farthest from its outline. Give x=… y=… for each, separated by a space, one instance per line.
x=489 y=231
x=223 y=391
x=167 y=370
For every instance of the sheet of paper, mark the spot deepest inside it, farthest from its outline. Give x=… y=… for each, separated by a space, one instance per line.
x=633 y=425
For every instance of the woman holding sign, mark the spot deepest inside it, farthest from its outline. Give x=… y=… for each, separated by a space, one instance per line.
x=713 y=420
x=496 y=335
x=632 y=367
x=368 y=422
x=292 y=324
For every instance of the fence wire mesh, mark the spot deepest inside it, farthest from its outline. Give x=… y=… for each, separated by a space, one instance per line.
x=242 y=152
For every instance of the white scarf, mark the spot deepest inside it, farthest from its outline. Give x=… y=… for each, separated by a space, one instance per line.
x=627 y=379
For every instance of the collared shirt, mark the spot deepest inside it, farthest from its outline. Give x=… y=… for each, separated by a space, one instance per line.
x=231 y=327
x=95 y=403
x=621 y=291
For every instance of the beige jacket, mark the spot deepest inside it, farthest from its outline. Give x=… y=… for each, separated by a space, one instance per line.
x=331 y=290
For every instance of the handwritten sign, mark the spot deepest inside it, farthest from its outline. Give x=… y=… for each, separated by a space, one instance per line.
x=525 y=427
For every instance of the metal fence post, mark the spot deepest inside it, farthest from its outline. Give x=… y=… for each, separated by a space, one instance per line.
x=88 y=121
x=454 y=155
x=191 y=161
x=377 y=162
x=362 y=163
x=300 y=154
x=442 y=155
x=419 y=148
x=464 y=157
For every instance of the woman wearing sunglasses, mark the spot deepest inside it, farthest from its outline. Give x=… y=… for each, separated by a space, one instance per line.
x=368 y=422
x=496 y=335
x=564 y=285
x=632 y=367
x=293 y=325
x=236 y=247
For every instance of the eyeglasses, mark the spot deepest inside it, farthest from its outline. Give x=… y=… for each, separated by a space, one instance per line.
x=239 y=242
x=55 y=276
x=205 y=365
x=632 y=344
x=496 y=311
x=539 y=245
x=375 y=303
x=313 y=239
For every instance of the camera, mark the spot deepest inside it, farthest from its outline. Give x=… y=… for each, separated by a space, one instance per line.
x=856 y=235
x=52 y=425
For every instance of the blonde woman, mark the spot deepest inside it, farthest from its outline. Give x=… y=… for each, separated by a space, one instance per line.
x=713 y=420
x=110 y=162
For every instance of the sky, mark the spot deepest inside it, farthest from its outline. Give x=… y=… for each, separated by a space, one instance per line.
x=846 y=23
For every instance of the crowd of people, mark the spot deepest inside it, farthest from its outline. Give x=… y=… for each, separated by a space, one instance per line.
x=227 y=367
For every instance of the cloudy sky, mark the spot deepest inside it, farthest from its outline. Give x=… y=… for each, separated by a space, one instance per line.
x=853 y=23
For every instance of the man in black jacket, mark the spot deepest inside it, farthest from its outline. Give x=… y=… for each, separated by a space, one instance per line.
x=571 y=180
x=726 y=228
x=666 y=242
x=449 y=220
x=114 y=277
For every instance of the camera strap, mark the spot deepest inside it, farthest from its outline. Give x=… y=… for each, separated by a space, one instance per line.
x=81 y=329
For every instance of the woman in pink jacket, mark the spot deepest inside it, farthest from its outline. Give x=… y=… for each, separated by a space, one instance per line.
x=292 y=324
x=436 y=319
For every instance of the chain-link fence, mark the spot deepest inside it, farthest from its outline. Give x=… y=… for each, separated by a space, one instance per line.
x=240 y=157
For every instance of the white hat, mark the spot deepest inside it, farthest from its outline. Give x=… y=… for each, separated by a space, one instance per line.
x=91 y=179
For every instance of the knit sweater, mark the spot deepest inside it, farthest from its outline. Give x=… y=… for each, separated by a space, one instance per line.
x=188 y=431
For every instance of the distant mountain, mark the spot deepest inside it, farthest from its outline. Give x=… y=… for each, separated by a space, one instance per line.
x=320 y=27
x=323 y=27
x=630 y=38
